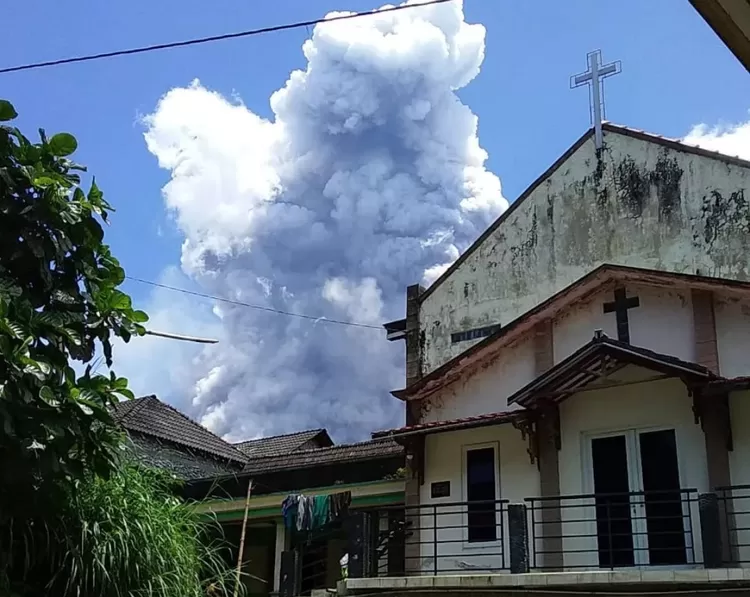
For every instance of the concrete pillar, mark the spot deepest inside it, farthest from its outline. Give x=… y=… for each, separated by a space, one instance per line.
x=550 y=529
x=518 y=537
x=704 y=326
x=714 y=412
x=413 y=339
x=282 y=544
x=548 y=446
x=415 y=450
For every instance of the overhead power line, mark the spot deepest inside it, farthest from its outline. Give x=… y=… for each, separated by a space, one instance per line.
x=212 y=38
x=256 y=307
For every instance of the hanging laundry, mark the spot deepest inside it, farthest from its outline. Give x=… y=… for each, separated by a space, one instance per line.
x=321 y=511
x=305 y=513
x=289 y=509
x=340 y=504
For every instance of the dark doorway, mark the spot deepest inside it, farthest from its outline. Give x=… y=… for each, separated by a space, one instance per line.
x=480 y=493
x=614 y=530
x=662 y=497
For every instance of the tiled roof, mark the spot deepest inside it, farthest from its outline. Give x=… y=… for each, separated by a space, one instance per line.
x=151 y=416
x=453 y=424
x=344 y=453
x=283 y=444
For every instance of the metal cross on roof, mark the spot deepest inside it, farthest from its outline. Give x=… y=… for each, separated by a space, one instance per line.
x=592 y=78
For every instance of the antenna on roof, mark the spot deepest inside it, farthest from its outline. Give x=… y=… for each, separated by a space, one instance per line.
x=171 y=336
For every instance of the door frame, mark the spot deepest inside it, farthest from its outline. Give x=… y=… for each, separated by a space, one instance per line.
x=486 y=545
x=635 y=474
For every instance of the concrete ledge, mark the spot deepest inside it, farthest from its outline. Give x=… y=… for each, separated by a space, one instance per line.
x=604 y=580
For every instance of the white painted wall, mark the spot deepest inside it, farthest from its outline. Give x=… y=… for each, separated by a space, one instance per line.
x=444 y=461
x=733 y=336
x=487 y=390
x=663 y=322
x=583 y=216
x=649 y=406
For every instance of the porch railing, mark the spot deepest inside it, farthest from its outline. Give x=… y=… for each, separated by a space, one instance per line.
x=446 y=538
x=613 y=530
x=673 y=528
x=734 y=510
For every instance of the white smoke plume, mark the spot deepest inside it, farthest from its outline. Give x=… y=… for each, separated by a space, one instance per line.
x=370 y=177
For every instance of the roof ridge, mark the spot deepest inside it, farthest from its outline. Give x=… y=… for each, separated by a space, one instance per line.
x=242 y=457
x=664 y=140
x=616 y=128
x=260 y=439
x=322 y=448
x=141 y=401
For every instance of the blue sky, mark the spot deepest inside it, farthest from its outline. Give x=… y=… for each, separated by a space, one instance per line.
x=676 y=74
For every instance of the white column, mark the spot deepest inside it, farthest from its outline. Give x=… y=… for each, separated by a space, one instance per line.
x=281 y=546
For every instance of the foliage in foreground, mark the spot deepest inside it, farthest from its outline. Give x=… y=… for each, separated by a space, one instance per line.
x=128 y=535
x=74 y=519
x=59 y=303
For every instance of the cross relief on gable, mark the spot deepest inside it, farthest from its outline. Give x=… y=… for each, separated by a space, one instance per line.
x=620 y=306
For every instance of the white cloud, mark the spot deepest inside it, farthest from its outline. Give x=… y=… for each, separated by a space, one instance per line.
x=730 y=139
x=369 y=178
x=162 y=366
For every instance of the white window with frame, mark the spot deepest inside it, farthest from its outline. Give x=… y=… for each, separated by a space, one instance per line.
x=642 y=516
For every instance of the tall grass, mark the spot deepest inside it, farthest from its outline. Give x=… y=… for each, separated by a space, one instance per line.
x=127 y=536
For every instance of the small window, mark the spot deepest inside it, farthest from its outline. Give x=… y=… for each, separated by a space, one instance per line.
x=480 y=493
x=474 y=334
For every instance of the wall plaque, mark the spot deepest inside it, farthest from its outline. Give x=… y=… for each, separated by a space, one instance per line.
x=440 y=489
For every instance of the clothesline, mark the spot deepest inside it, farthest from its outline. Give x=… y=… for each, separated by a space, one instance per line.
x=306 y=513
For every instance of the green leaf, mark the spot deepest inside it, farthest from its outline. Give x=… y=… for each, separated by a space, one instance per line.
x=139 y=317
x=7 y=111
x=63 y=144
x=95 y=194
x=120 y=300
x=44 y=181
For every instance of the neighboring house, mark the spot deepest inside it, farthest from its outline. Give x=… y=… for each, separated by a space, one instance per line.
x=577 y=396
x=371 y=471
x=281 y=445
x=165 y=438
x=217 y=474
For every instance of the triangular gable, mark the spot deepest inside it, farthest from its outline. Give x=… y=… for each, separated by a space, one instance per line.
x=642 y=201
x=600 y=358
x=602 y=277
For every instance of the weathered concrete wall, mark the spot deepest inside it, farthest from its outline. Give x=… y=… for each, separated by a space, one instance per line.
x=641 y=205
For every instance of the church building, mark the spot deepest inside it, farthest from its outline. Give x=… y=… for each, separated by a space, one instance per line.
x=577 y=381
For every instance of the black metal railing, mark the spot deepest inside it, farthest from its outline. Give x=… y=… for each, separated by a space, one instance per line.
x=613 y=530
x=734 y=532
x=445 y=538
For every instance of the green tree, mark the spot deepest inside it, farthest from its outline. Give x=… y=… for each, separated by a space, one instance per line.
x=59 y=304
